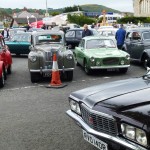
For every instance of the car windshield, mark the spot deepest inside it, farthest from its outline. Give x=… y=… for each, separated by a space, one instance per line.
x=21 y=38
x=99 y=43
x=48 y=38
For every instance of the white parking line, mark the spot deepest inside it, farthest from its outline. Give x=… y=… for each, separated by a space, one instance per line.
x=40 y=85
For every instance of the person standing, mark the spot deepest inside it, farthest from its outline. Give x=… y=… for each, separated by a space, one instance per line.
x=120 y=36
x=86 y=31
x=5 y=33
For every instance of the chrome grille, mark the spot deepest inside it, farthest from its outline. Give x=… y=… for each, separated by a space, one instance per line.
x=99 y=122
x=110 y=61
x=48 y=56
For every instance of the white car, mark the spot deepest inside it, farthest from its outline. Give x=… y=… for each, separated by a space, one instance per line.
x=108 y=32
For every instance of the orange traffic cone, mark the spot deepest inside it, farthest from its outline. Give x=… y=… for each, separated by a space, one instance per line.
x=55 y=80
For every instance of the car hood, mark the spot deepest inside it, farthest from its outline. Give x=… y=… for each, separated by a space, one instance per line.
x=105 y=52
x=118 y=95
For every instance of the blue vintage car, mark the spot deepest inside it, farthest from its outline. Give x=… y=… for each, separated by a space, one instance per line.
x=19 y=43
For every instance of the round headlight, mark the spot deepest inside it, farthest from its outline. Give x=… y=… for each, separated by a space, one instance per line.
x=141 y=137
x=130 y=132
x=32 y=58
x=122 y=62
x=127 y=56
x=92 y=59
x=69 y=56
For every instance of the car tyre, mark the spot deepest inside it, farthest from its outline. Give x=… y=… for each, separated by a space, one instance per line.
x=35 y=77
x=86 y=68
x=123 y=70
x=2 y=80
x=9 y=69
x=69 y=75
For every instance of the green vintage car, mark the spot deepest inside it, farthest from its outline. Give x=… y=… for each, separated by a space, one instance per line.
x=101 y=53
x=44 y=45
x=19 y=43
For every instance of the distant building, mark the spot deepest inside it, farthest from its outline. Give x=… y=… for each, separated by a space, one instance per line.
x=25 y=17
x=141 y=8
x=92 y=14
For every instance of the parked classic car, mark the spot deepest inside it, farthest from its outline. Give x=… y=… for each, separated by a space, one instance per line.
x=74 y=36
x=115 y=115
x=108 y=32
x=19 y=43
x=101 y=53
x=137 y=44
x=40 y=58
x=5 y=61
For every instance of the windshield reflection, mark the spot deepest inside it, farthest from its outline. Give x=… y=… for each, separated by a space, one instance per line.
x=99 y=43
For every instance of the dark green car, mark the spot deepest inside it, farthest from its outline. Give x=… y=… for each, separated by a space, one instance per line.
x=101 y=53
x=19 y=43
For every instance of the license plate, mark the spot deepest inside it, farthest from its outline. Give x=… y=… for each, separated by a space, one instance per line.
x=111 y=69
x=47 y=74
x=94 y=141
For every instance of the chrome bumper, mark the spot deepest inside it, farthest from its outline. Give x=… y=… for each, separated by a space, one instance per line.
x=109 y=67
x=49 y=70
x=118 y=140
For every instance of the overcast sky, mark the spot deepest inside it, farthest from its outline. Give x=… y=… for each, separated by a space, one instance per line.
x=122 y=5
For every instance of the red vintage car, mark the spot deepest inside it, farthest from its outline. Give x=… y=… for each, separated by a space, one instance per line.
x=5 y=61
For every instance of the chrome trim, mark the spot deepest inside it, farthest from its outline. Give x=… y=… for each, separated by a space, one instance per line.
x=88 y=129
x=74 y=98
x=109 y=67
x=49 y=70
x=98 y=113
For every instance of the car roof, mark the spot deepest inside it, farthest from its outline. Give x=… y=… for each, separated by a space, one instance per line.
x=78 y=29
x=49 y=32
x=140 y=29
x=98 y=37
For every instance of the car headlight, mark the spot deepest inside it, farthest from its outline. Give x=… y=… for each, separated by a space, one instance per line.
x=75 y=107
x=134 y=133
x=69 y=56
x=32 y=58
x=122 y=62
x=130 y=132
x=92 y=59
x=128 y=57
x=141 y=137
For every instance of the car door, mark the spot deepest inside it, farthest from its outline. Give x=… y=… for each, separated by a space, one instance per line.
x=127 y=42
x=137 y=46
x=80 y=52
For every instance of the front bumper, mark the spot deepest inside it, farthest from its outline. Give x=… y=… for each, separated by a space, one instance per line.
x=110 y=67
x=117 y=140
x=49 y=70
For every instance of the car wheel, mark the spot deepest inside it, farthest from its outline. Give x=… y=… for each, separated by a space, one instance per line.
x=35 y=77
x=2 y=80
x=86 y=68
x=69 y=75
x=123 y=70
x=9 y=69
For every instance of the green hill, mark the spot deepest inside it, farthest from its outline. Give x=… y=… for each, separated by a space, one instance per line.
x=97 y=8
